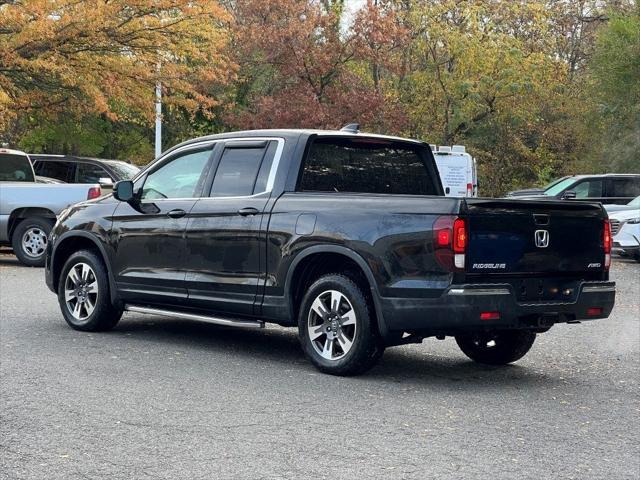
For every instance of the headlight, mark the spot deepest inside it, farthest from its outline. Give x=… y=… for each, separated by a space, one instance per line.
x=633 y=221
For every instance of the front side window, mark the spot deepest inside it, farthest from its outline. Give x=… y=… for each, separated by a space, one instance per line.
x=90 y=173
x=366 y=166
x=15 y=168
x=588 y=189
x=180 y=177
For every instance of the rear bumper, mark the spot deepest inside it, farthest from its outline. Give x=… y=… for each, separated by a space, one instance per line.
x=460 y=306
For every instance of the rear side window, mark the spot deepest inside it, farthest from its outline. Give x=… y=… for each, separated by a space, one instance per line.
x=624 y=187
x=243 y=171
x=15 y=168
x=53 y=169
x=366 y=166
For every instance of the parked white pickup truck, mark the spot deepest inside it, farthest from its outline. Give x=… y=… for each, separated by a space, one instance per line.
x=28 y=209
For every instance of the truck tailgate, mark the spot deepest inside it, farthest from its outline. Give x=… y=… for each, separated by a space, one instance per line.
x=534 y=237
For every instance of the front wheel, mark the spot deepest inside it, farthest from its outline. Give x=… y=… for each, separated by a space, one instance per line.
x=83 y=294
x=496 y=348
x=336 y=328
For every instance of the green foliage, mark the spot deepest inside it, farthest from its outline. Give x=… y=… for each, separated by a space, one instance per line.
x=615 y=96
x=94 y=136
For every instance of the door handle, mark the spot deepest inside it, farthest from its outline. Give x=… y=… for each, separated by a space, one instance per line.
x=248 y=211
x=177 y=213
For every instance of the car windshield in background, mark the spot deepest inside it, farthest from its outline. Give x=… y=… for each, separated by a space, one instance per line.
x=553 y=182
x=559 y=187
x=635 y=202
x=124 y=170
x=15 y=168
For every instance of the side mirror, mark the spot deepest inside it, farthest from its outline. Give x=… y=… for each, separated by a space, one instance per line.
x=123 y=190
x=105 y=182
x=569 y=195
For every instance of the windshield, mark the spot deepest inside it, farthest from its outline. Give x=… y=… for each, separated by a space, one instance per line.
x=553 y=182
x=635 y=202
x=560 y=186
x=15 y=168
x=124 y=170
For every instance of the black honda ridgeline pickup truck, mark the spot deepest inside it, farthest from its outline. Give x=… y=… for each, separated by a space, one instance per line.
x=346 y=235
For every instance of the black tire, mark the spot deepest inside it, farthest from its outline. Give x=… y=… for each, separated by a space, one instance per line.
x=496 y=348
x=31 y=254
x=365 y=348
x=104 y=316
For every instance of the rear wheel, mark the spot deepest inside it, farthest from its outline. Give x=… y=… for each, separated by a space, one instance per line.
x=335 y=327
x=496 y=348
x=29 y=240
x=83 y=294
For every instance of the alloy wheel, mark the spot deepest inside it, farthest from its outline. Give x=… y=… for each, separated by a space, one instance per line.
x=331 y=325
x=81 y=291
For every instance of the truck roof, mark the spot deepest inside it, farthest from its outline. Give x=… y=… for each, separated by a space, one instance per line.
x=291 y=132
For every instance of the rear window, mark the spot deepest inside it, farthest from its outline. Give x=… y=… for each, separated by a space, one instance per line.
x=367 y=166
x=15 y=168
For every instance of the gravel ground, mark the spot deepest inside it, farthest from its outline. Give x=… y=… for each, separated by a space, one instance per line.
x=166 y=399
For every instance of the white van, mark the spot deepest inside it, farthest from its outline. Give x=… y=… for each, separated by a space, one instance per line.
x=457 y=169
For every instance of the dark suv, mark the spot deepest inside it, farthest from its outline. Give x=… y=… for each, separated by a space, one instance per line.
x=609 y=188
x=347 y=236
x=72 y=169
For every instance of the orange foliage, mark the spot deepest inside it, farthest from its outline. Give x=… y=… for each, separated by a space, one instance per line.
x=100 y=56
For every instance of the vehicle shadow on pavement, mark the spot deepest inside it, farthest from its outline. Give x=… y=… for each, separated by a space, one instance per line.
x=280 y=347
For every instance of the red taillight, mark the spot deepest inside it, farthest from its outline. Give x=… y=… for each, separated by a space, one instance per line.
x=594 y=311
x=444 y=237
x=606 y=243
x=469 y=189
x=459 y=236
x=450 y=242
x=490 y=316
x=94 y=192
x=607 y=236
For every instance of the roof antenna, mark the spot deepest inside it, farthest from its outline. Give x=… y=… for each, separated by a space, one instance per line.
x=351 y=128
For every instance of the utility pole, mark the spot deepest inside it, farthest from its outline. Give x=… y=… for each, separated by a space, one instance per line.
x=158 y=115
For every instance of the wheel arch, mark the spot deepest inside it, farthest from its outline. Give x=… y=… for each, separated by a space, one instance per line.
x=22 y=213
x=322 y=259
x=71 y=242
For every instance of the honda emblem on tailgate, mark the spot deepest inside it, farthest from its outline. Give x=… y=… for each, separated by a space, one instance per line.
x=542 y=238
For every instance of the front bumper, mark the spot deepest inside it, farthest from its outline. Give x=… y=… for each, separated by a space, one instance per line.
x=459 y=308
x=627 y=240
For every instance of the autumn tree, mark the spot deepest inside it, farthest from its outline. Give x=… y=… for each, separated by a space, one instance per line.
x=299 y=68
x=104 y=57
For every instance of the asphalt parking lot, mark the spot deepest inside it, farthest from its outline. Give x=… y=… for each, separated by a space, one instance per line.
x=167 y=399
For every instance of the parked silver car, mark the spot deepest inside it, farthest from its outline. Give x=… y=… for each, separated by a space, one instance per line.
x=632 y=205
x=28 y=209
